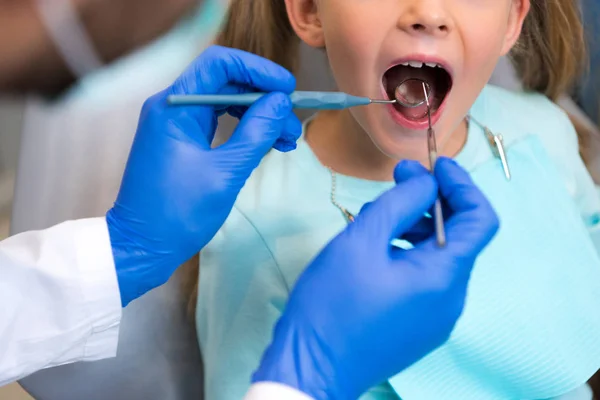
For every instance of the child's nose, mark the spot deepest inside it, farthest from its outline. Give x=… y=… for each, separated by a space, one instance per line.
x=429 y=17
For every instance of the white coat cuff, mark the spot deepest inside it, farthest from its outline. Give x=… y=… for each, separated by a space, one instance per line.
x=274 y=391
x=100 y=287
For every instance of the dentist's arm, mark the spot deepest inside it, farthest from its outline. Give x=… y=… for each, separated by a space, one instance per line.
x=363 y=311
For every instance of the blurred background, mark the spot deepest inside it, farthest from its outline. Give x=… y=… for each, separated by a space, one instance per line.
x=73 y=77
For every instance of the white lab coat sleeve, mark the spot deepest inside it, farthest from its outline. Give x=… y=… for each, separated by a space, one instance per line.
x=274 y=391
x=60 y=300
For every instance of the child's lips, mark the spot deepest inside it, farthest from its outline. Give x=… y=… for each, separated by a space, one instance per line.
x=417 y=66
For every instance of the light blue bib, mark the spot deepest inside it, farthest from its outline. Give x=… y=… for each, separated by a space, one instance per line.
x=519 y=337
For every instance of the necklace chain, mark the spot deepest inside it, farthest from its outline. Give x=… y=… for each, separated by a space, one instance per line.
x=347 y=214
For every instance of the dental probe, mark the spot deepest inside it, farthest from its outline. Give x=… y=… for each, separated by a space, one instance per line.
x=438 y=217
x=300 y=99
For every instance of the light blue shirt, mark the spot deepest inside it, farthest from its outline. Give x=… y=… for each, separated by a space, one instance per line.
x=530 y=326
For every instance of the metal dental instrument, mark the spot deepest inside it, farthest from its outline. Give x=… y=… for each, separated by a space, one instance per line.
x=438 y=217
x=300 y=99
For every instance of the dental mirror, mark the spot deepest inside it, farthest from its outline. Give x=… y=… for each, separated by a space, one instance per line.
x=411 y=94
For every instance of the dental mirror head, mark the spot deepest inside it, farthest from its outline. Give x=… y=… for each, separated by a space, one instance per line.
x=410 y=93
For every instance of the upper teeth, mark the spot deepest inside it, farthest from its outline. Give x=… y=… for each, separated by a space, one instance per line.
x=419 y=64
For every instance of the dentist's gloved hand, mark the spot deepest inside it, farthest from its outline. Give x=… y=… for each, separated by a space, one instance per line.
x=177 y=191
x=363 y=311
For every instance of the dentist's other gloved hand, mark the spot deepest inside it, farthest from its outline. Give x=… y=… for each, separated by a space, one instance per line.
x=364 y=311
x=177 y=191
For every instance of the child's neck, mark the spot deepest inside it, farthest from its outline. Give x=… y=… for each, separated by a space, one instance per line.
x=341 y=144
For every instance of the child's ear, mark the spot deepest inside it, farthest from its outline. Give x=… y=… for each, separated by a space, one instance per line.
x=518 y=13
x=304 y=18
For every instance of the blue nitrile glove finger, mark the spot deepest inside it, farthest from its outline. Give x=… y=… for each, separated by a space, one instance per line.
x=408 y=169
x=404 y=171
x=470 y=218
x=362 y=312
x=177 y=191
x=424 y=228
x=459 y=202
x=290 y=134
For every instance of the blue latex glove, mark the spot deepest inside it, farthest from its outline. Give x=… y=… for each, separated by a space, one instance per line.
x=363 y=311
x=177 y=191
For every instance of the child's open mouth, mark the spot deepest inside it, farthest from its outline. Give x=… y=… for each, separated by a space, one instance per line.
x=436 y=76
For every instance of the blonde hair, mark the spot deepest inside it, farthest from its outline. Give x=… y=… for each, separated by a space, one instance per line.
x=551 y=54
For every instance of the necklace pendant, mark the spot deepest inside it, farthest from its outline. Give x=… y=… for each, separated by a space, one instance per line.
x=347 y=214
